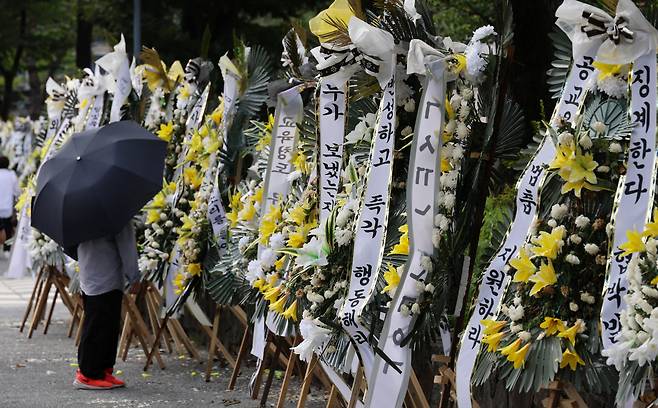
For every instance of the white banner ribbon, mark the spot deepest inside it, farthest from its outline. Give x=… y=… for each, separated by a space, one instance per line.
x=635 y=191
x=371 y=227
x=216 y=211
x=388 y=387
x=494 y=281
x=117 y=65
x=289 y=112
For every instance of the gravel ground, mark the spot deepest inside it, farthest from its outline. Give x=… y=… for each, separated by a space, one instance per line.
x=38 y=372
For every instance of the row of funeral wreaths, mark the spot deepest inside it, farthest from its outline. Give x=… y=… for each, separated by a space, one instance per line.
x=316 y=234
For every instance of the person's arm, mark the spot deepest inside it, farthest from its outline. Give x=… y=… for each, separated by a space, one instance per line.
x=128 y=252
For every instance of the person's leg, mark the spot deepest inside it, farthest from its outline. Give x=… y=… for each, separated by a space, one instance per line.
x=113 y=327
x=92 y=342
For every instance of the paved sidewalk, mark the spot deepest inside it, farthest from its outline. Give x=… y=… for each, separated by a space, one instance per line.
x=37 y=372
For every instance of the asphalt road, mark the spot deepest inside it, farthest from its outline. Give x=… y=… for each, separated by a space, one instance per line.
x=38 y=372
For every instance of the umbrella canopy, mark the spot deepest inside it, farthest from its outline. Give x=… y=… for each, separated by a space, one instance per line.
x=97 y=182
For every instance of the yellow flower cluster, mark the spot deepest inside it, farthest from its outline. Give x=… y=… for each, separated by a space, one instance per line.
x=402 y=247
x=575 y=168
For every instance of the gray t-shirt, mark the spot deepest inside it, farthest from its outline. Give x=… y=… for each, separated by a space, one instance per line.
x=104 y=262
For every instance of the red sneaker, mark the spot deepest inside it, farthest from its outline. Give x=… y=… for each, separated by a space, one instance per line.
x=84 y=383
x=112 y=379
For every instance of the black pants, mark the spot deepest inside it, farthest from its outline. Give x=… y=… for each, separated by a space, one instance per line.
x=100 y=333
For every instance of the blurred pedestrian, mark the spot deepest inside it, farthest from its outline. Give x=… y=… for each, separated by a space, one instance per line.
x=105 y=265
x=9 y=193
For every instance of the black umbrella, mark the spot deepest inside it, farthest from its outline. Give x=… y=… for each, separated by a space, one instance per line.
x=97 y=182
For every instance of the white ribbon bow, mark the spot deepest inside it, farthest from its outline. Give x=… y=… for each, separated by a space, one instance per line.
x=376 y=47
x=625 y=37
x=420 y=54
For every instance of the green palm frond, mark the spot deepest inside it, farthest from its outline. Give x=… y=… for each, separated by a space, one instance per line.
x=557 y=74
x=258 y=76
x=613 y=113
x=290 y=47
x=394 y=19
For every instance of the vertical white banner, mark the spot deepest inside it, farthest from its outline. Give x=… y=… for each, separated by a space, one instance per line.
x=216 y=211
x=389 y=386
x=494 y=280
x=635 y=191
x=289 y=111
x=95 y=112
x=371 y=228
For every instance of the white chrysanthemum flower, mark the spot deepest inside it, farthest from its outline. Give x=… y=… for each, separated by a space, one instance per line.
x=344 y=237
x=415 y=309
x=449 y=201
x=524 y=336
x=587 y=298
x=598 y=127
x=429 y=288
x=451 y=126
x=483 y=32
x=558 y=211
x=572 y=259
x=603 y=169
x=573 y=306
x=585 y=142
x=254 y=271
x=582 y=221
x=592 y=249
x=565 y=138
x=436 y=237
x=462 y=131
x=410 y=105
x=406 y=131
x=615 y=148
x=267 y=258
x=516 y=312
x=613 y=86
x=575 y=238
x=426 y=263
x=552 y=223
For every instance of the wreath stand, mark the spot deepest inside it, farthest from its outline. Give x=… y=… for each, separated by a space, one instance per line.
x=47 y=277
x=562 y=395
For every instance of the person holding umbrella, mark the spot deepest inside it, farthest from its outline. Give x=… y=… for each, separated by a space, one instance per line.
x=85 y=199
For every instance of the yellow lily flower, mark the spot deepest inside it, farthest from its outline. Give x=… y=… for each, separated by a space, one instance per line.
x=450 y=113
x=279 y=305
x=340 y=11
x=582 y=168
x=518 y=357
x=547 y=244
x=236 y=200
x=165 y=132
x=278 y=265
x=272 y=294
x=270 y=123
x=291 y=311
x=651 y=229
x=216 y=115
x=258 y=283
x=152 y=216
x=577 y=187
x=545 y=277
x=552 y=325
x=634 y=243
x=511 y=348
x=192 y=178
x=299 y=162
x=262 y=142
x=523 y=265
x=402 y=247
x=572 y=359
x=607 y=70
x=457 y=63
x=492 y=340
x=247 y=213
x=194 y=269
x=570 y=334
x=298 y=238
x=562 y=159
x=297 y=214
x=654 y=281
x=392 y=279
x=445 y=165
x=258 y=195
x=233 y=217
x=492 y=326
